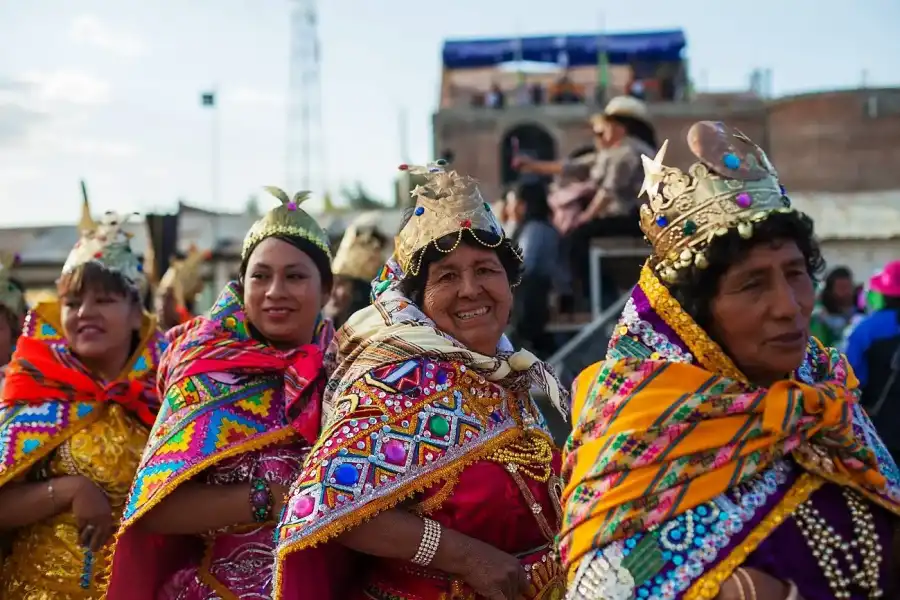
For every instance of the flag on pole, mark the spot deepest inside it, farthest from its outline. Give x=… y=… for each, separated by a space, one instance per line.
x=602 y=64
x=208 y=99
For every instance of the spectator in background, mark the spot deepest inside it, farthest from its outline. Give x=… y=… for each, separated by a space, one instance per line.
x=613 y=210
x=873 y=349
x=356 y=263
x=836 y=307
x=539 y=242
x=495 y=98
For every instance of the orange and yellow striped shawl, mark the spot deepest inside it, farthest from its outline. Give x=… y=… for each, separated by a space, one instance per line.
x=667 y=423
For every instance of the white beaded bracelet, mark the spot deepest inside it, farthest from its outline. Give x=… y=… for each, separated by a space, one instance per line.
x=428 y=547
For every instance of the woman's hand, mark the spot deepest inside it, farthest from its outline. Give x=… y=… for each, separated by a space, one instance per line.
x=492 y=573
x=93 y=514
x=764 y=584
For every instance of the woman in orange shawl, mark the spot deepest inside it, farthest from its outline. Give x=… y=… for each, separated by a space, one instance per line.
x=77 y=407
x=719 y=451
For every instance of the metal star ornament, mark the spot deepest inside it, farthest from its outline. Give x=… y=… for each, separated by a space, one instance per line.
x=653 y=171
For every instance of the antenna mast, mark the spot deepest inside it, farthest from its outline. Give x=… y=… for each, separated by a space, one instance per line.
x=305 y=152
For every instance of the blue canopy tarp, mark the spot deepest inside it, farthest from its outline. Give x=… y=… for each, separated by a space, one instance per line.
x=573 y=50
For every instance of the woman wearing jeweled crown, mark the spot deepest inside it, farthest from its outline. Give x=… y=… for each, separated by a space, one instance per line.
x=178 y=288
x=434 y=463
x=77 y=406
x=720 y=451
x=12 y=309
x=241 y=394
x=358 y=260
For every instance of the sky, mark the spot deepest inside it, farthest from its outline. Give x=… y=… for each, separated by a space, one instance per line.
x=109 y=90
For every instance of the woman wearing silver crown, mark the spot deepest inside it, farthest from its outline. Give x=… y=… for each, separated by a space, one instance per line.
x=434 y=462
x=719 y=451
x=78 y=403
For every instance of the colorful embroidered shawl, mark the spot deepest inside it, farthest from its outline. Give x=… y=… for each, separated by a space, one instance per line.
x=409 y=407
x=48 y=395
x=204 y=420
x=220 y=399
x=667 y=424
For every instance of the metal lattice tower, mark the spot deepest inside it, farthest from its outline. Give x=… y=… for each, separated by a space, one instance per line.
x=305 y=145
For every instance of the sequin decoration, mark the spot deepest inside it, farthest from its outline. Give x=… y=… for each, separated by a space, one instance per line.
x=414 y=421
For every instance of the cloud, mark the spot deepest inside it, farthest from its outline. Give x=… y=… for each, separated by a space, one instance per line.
x=16 y=122
x=83 y=146
x=64 y=86
x=91 y=31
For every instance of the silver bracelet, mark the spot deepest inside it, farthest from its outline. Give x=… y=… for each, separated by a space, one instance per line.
x=793 y=592
x=428 y=547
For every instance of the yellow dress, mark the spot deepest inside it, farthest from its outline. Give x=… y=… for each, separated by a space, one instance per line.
x=46 y=561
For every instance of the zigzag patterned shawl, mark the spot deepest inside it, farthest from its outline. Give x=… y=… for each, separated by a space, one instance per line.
x=667 y=427
x=206 y=418
x=48 y=395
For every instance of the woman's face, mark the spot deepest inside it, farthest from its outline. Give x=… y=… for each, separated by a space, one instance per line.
x=467 y=295
x=761 y=311
x=283 y=293
x=6 y=336
x=99 y=324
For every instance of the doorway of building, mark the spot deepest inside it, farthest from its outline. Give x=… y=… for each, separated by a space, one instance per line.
x=533 y=141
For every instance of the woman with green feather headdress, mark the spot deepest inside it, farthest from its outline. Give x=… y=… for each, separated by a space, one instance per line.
x=241 y=406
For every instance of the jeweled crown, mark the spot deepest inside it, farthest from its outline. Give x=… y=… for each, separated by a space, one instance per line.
x=11 y=296
x=288 y=220
x=107 y=243
x=732 y=186
x=360 y=254
x=447 y=203
x=184 y=277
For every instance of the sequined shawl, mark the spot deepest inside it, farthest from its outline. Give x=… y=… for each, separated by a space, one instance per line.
x=667 y=424
x=42 y=407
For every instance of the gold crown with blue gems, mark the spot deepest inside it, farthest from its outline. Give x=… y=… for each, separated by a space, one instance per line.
x=731 y=187
x=288 y=219
x=446 y=204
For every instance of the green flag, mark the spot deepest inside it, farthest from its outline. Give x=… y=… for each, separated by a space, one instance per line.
x=208 y=99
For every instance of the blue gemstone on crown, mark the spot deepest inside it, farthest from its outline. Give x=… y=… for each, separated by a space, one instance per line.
x=661 y=220
x=419 y=211
x=731 y=161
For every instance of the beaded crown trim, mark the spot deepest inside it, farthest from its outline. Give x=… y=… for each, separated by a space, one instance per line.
x=732 y=186
x=288 y=220
x=446 y=204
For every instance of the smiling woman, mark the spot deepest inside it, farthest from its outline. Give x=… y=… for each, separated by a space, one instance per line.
x=242 y=406
x=80 y=396
x=434 y=461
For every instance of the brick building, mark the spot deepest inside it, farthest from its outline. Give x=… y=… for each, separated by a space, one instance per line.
x=836 y=141
x=837 y=153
